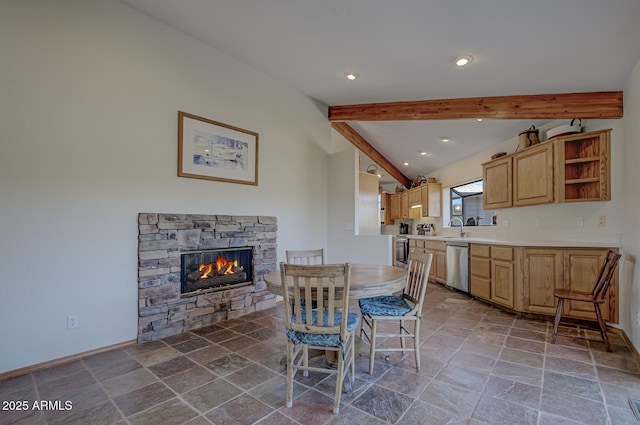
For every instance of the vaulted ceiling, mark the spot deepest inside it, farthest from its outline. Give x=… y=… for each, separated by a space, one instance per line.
x=404 y=50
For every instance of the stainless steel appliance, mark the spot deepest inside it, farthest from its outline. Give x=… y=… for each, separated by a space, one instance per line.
x=402 y=251
x=404 y=228
x=458 y=265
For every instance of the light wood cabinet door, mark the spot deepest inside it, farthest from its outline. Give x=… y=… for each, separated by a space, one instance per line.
x=441 y=266
x=415 y=196
x=497 y=177
x=480 y=270
x=581 y=268
x=481 y=278
x=543 y=273
x=404 y=205
x=533 y=175
x=431 y=198
x=438 y=271
x=415 y=202
x=502 y=283
x=394 y=206
x=434 y=264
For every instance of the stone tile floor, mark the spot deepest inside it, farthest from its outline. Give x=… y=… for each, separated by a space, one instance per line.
x=480 y=366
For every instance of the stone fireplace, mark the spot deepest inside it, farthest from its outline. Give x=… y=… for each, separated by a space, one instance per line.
x=176 y=290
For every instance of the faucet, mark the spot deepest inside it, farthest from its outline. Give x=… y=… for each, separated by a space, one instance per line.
x=461 y=225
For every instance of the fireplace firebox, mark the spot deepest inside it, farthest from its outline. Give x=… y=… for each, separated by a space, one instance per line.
x=216 y=269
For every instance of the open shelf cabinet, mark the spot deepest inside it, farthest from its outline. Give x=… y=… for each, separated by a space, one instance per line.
x=584 y=167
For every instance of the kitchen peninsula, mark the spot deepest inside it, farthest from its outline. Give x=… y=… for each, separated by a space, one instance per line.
x=522 y=275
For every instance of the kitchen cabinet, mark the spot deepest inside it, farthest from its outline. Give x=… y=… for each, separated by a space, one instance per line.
x=503 y=276
x=547 y=269
x=394 y=206
x=573 y=168
x=543 y=273
x=583 y=166
x=431 y=199
x=533 y=175
x=415 y=202
x=438 y=271
x=493 y=272
x=480 y=285
x=581 y=268
x=497 y=177
x=404 y=205
x=414 y=196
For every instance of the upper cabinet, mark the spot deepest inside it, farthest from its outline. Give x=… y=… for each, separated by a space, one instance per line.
x=404 y=205
x=422 y=201
x=584 y=167
x=566 y=169
x=394 y=206
x=415 y=202
x=533 y=175
x=497 y=176
x=431 y=197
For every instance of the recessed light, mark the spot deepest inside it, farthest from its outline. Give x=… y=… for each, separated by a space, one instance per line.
x=463 y=60
x=423 y=153
x=405 y=163
x=351 y=75
x=445 y=139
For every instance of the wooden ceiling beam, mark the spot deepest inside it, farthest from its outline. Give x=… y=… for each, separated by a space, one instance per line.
x=360 y=143
x=594 y=105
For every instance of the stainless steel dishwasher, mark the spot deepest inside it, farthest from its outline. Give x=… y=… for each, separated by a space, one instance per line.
x=458 y=265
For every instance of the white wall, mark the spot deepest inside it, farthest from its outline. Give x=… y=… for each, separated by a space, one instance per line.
x=630 y=278
x=342 y=244
x=88 y=139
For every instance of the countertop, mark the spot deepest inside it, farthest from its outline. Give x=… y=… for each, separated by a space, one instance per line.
x=534 y=243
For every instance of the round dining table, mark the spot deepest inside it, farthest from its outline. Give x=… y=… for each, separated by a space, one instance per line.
x=367 y=280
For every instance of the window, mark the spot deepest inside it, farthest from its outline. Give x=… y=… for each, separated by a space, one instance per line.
x=466 y=205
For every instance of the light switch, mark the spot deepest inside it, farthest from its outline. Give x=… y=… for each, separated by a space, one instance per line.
x=580 y=221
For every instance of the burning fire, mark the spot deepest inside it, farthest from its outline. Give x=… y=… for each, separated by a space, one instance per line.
x=222 y=266
x=207 y=270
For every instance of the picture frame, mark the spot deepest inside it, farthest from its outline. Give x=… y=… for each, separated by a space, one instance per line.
x=212 y=150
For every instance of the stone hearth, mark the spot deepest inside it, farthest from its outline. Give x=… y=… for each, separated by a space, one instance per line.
x=162 y=311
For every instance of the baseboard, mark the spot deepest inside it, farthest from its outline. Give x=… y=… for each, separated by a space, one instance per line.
x=624 y=336
x=61 y=360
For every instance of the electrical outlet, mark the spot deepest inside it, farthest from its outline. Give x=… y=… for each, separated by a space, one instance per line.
x=538 y=222
x=580 y=221
x=72 y=322
x=602 y=220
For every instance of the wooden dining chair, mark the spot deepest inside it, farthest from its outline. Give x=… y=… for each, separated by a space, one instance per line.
x=328 y=327
x=403 y=308
x=308 y=257
x=596 y=297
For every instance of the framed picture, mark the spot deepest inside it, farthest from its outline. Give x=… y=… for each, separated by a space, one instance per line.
x=212 y=150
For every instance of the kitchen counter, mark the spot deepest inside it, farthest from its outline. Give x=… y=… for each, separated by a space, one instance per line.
x=534 y=243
